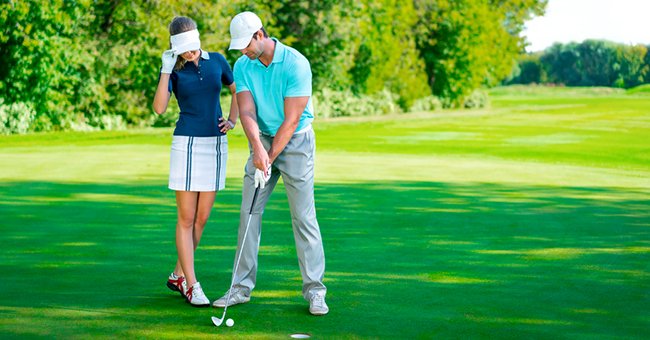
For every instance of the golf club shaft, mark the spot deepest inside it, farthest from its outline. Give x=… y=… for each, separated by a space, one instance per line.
x=241 y=250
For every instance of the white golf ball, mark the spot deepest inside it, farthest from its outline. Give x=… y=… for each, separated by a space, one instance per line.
x=230 y=322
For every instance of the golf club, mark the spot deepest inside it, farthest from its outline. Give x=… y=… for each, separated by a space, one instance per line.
x=218 y=321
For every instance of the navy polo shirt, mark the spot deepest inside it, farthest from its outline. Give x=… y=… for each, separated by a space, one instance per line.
x=197 y=90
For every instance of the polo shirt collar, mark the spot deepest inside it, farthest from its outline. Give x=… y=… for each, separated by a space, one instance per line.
x=278 y=54
x=205 y=55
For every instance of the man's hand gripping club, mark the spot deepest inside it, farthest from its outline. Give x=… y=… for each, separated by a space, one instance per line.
x=262 y=177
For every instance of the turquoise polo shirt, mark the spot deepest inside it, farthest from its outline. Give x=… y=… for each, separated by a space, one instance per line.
x=288 y=75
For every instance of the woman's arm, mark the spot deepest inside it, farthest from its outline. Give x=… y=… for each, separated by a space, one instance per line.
x=229 y=124
x=161 y=99
x=234 y=109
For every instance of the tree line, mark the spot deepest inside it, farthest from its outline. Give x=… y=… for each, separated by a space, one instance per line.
x=87 y=64
x=589 y=63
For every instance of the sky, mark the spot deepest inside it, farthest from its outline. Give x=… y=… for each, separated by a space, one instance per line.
x=621 y=21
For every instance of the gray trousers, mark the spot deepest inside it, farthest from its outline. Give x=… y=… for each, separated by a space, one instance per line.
x=296 y=165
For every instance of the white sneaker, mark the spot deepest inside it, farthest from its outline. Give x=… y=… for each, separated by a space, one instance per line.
x=175 y=283
x=194 y=295
x=237 y=296
x=317 y=305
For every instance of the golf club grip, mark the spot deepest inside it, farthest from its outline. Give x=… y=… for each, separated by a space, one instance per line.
x=257 y=189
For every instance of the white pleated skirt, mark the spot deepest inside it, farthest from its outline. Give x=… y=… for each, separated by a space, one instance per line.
x=198 y=163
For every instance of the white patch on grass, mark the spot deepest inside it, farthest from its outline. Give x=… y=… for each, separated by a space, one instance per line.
x=433 y=136
x=553 y=139
x=344 y=167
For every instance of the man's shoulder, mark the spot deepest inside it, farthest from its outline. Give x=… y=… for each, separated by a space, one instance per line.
x=294 y=55
x=242 y=61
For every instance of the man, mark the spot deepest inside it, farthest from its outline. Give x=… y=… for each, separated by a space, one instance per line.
x=274 y=98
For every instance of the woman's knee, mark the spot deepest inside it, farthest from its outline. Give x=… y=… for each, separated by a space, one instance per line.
x=186 y=222
x=201 y=219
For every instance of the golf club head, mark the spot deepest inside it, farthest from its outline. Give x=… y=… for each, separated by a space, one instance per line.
x=216 y=321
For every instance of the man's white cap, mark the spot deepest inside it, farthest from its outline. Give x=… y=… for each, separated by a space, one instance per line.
x=186 y=41
x=242 y=27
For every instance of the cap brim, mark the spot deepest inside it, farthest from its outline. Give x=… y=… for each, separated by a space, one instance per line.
x=239 y=44
x=192 y=46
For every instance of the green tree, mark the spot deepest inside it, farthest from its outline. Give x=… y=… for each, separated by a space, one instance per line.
x=133 y=34
x=48 y=58
x=325 y=31
x=562 y=64
x=596 y=63
x=469 y=43
x=630 y=65
x=386 y=57
x=529 y=70
x=646 y=62
x=596 y=60
x=94 y=63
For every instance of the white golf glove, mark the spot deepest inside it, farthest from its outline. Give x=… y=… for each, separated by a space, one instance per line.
x=168 y=61
x=261 y=177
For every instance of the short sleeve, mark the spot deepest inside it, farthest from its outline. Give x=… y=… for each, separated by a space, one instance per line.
x=173 y=80
x=299 y=79
x=226 y=72
x=238 y=75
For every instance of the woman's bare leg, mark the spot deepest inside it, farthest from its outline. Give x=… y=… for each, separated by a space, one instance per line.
x=193 y=212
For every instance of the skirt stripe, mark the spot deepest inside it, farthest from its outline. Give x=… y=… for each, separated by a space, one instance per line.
x=218 y=165
x=198 y=163
x=188 y=167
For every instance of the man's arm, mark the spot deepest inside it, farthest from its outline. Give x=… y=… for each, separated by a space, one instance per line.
x=248 y=118
x=293 y=109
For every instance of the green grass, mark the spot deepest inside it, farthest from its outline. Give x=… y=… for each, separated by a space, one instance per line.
x=526 y=220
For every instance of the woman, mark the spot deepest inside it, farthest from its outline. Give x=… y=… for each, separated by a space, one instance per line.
x=199 y=145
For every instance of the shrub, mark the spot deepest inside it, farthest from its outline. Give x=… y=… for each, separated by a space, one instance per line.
x=429 y=103
x=112 y=122
x=330 y=103
x=16 y=117
x=478 y=99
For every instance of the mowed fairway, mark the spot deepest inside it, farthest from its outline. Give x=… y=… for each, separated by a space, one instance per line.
x=530 y=219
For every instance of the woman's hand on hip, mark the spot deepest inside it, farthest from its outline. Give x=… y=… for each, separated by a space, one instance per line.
x=225 y=125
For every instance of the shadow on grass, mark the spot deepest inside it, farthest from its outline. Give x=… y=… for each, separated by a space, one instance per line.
x=404 y=260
